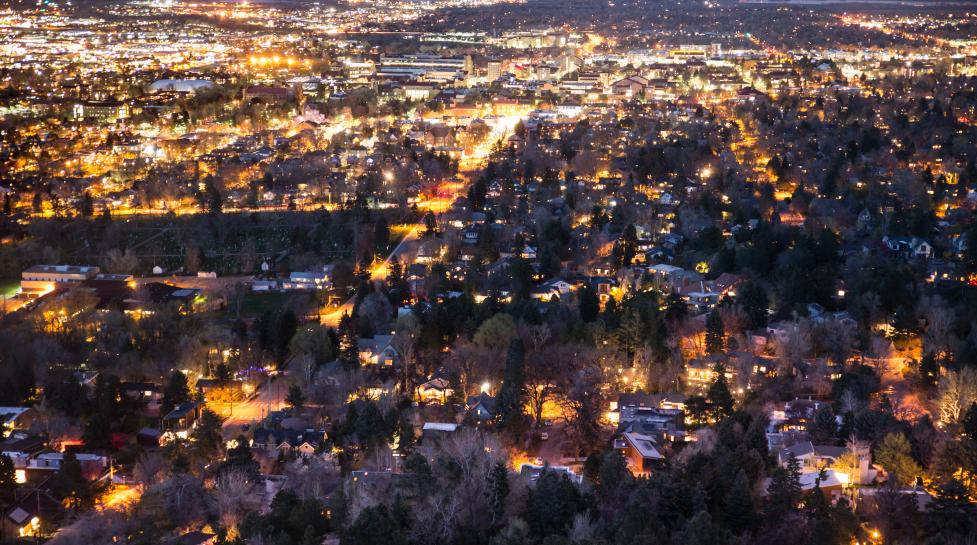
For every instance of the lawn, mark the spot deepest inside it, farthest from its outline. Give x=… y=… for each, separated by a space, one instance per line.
x=9 y=287
x=255 y=304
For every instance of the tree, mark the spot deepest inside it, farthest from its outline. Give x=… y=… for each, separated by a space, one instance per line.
x=314 y=342
x=374 y=525
x=176 y=392
x=970 y=422
x=627 y=246
x=206 y=436
x=287 y=325
x=753 y=300
x=240 y=459
x=8 y=481
x=970 y=254
x=958 y=389
x=512 y=395
x=715 y=333
x=495 y=333
x=589 y=304
x=823 y=428
x=952 y=514
x=295 y=398
x=718 y=397
x=349 y=353
x=552 y=505
x=71 y=484
x=784 y=490
x=87 y=206
x=630 y=333
x=895 y=455
x=498 y=491
x=430 y=224
x=739 y=512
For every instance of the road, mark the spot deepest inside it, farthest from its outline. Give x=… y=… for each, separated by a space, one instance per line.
x=269 y=398
x=471 y=166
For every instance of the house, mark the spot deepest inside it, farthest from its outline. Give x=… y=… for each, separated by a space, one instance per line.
x=701 y=373
x=92 y=465
x=264 y=285
x=533 y=472
x=20 y=449
x=434 y=432
x=471 y=235
x=17 y=418
x=44 y=278
x=603 y=285
x=831 y=483
x=437 y=390
x=24 y=518
x=482 y=406
x=430 y=251
x=179 y=421
x=377 y=351
x=145 y=392
x=639 y=406
x=303 y=443
x=301 y=280
x=641 y=452
x=909 y=247
x=630 y=87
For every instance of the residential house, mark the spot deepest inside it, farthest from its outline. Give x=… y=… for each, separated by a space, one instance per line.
x=641 y=452
x=432 y=433
x=482 y=407
x=24 y=518
x=377 y=351
x=436 y=391
x=181 y=419
x=17 y=418
x=302 y=443
x=92 y=465
x=532 y=472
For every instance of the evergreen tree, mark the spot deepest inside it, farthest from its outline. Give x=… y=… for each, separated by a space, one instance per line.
x=287 y=325
x=894 y=454
x=739 y=512
x=348 y=342
x=589 y=304
x=929 y=370
x=718 y=396
x=784 y=491
x=823 y=428
x=206 y=435
x=512 y=396
x=71 y=484
x=87 y=206
x=176 y=391
x=498 y=491
x=374 y=525
x=295 y=398
x=952 y=514
x=753 y=300
x=8 y=481
x=552 y=504
x=630 y=333
x=715 y=333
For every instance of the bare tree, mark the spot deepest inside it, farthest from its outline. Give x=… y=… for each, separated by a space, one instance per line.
x=957 y=390
x=234 y=499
